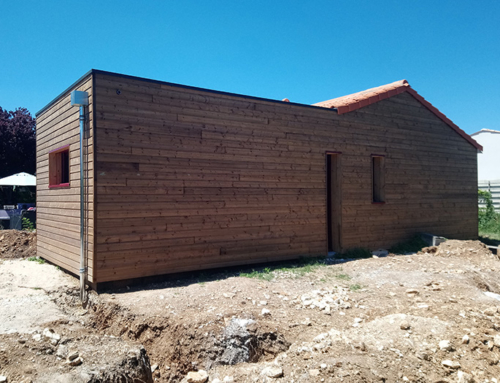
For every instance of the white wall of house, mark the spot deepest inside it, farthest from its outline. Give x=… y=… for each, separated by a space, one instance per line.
x=488 y=162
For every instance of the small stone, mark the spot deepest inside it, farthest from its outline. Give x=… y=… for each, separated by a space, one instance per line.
x=228 y=379
x=451 y=364
x=463 y=377
x=50 y=334
x=73 y=355
x=154 y=367
x=265 y=312
x=306 y=322
x=412 y=292
x=466 y=339
x=323 y=366
x=490 y=311
x=273 y=372
x=37 y=337
x=263 y=303
x=445 y=345
x=75 y=362
x=314 y=372
x=3 y=379
x=404 y=325
x=200 y=376
x=496 y=340
x=380 y=253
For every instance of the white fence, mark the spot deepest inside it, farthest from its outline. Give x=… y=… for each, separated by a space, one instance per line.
x=494 y=188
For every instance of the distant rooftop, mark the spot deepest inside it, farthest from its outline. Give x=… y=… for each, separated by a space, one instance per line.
x=486 y=131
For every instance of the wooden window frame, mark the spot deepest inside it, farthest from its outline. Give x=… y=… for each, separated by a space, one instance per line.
x=378 y=179
x=58 y=161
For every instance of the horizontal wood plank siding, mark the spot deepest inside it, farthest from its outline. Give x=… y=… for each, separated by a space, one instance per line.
x=58 y=210
x=188 y=179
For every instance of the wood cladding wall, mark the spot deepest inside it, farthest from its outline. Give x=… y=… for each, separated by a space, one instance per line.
x=58 y=209
x=188 y=179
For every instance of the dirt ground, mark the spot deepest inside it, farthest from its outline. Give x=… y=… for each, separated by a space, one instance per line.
x=427 y=317
x=17 y=244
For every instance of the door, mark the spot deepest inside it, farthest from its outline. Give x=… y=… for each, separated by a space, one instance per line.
x=334 y=201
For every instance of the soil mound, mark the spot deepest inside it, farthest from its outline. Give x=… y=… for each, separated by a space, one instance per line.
x=17 y=244
x=461 y=249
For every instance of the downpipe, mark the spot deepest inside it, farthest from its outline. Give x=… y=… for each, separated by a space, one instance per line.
x=81 y=99
x=83 y=294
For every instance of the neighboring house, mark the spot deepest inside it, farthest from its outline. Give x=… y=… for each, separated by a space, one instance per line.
x=488 y=163
x=181 y=178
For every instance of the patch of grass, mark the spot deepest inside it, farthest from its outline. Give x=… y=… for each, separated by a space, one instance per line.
x=355 y=287
x=298 y=268
x=37 y=260
x=357 y=253
x=343 y=277
x=265 y=274
x=411 y=246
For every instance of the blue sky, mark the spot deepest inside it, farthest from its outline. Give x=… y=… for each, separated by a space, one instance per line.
x=307 y=51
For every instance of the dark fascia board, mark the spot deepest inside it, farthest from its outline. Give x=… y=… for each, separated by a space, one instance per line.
x=66 y=91
x=97 y=71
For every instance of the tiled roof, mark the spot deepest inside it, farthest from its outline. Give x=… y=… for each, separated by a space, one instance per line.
x=358 y=100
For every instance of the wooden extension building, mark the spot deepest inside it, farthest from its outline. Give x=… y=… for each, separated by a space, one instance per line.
x=178 y=178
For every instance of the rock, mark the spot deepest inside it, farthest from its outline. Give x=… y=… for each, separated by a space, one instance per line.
x=445 y=345
x=62 y=351
x=263 y=303
x=265 y=312
x=404 y=325
x=451 y=364
x=466 y=339
x=154 y=367
x=314 y=372
x=51 y=335
x=321 y=337
x=273 y=372
x=496 y=340
x=200 y=376
x=73 y=355
x=490 y=311
x=306 y=322
x=463 y=377
x=228 y=379
x=75 y=362
x=3 y=379
x=37 y=337
x=380 y=253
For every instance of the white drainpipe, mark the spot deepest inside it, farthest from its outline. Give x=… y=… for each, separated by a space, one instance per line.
x=81 y=99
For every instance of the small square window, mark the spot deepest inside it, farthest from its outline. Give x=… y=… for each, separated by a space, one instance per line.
x=378 y=179
x=59 y=167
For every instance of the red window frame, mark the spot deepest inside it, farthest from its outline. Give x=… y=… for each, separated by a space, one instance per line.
x=59 y=168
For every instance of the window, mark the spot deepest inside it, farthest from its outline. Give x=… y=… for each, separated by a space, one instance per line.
x=378 y=181
x=59 y=167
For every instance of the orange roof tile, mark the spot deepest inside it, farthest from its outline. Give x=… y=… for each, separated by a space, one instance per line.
x=358 y=100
